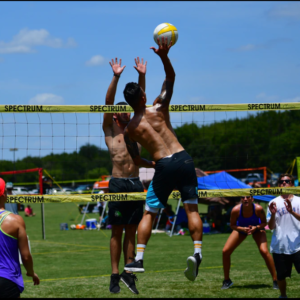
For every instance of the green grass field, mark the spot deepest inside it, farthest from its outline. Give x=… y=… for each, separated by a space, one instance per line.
x=76 y=263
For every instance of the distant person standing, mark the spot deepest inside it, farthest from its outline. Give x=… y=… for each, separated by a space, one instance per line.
x=13 y=237
x=284 y=217
x=12 y=207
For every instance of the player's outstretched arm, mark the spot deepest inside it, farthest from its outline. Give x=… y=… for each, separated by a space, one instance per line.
x=111 y=92
x=141 y=69
x=133 y=150
x=167 y=89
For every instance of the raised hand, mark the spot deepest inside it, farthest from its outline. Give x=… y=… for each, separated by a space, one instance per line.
x=116 y=67
x=140 y=66
x=288 y=205
x=163 y=47
x=273 y=208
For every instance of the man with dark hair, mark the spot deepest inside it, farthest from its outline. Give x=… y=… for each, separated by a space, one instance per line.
x=174 y=167
x=284 y=217
x=125 y=179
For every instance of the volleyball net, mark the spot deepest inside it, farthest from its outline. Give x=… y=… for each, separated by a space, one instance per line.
x=68 y=142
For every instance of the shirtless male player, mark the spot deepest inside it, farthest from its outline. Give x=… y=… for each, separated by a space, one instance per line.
x=174 y=167
x=125 y=179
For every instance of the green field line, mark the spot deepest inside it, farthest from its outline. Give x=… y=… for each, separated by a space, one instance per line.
x=81 y=277
x=85 y=250
x=42 y=242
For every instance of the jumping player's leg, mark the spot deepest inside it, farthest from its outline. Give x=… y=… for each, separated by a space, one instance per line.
x=194 y=221
x=196 y=230
x=145 y=227
x=116 y=247
x=129 y=242
x=261 y=241
x=233 y=241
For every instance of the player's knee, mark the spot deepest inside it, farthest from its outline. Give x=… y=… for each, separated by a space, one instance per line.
x=226 y=252
x=264 y=252
x=117 y=231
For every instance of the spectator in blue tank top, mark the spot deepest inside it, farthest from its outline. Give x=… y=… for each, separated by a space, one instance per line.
x=13 y=237
x=246 y=219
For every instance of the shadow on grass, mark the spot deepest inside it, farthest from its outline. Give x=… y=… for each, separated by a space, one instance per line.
x=251 y=286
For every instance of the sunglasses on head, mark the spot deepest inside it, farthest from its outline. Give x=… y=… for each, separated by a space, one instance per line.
x=285 y=180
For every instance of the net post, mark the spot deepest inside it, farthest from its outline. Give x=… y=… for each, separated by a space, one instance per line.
x=42 y=204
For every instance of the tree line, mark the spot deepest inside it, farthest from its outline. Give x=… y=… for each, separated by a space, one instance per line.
x=270 y=138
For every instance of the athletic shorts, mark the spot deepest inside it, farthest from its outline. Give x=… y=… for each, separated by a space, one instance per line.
x=284 y=263
x=8 y=289
x=175 y=172
x=125 y=212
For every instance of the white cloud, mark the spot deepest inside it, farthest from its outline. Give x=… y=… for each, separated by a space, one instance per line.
x=269 y=44
x=263 y=97
x=96 y=60
x=290 y=11
x=198 y=100
x=47 y=99
x=26 y=40
x=296 y=99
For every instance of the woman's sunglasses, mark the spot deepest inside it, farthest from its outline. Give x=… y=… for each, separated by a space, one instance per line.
x=288 y=181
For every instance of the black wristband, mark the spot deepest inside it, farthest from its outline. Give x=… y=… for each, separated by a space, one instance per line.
x=116 y=75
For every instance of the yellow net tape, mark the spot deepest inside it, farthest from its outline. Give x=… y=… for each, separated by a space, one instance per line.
x=142 y=196
x=127 y=108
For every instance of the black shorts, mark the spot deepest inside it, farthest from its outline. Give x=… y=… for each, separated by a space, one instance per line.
x=284 y=263
x=8 y=289
x=176 y=172
x=125 y=212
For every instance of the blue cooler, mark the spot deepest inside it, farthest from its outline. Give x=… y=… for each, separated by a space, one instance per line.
x=206 y=228
x=91 y=224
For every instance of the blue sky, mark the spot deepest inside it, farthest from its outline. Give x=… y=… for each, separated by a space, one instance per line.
x=227 y=52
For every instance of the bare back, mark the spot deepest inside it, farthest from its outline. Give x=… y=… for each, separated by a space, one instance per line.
x=123 y=165
x=153 y=130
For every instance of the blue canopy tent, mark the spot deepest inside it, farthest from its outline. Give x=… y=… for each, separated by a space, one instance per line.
x=224 y=180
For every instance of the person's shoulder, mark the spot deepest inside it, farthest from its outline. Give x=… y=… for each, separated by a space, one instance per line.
x=15 y=219
x=258 y=207
x=297 y=198
x=236 y=209
x=276 y=200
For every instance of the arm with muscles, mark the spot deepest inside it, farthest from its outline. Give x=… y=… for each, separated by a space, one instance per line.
x=141 y=69
x=272 y=209
x=133 y=150
x=233 y=219
x=261 y=214
x=167 y=89
x=289 y=208
x=111 y=92
x=25 y=253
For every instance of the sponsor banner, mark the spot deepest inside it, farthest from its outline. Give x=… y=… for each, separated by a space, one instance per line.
x=127 y=108
x=275 y=191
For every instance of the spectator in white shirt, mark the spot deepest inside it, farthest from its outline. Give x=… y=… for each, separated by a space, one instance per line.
x=284 y=217
x=12 y=207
